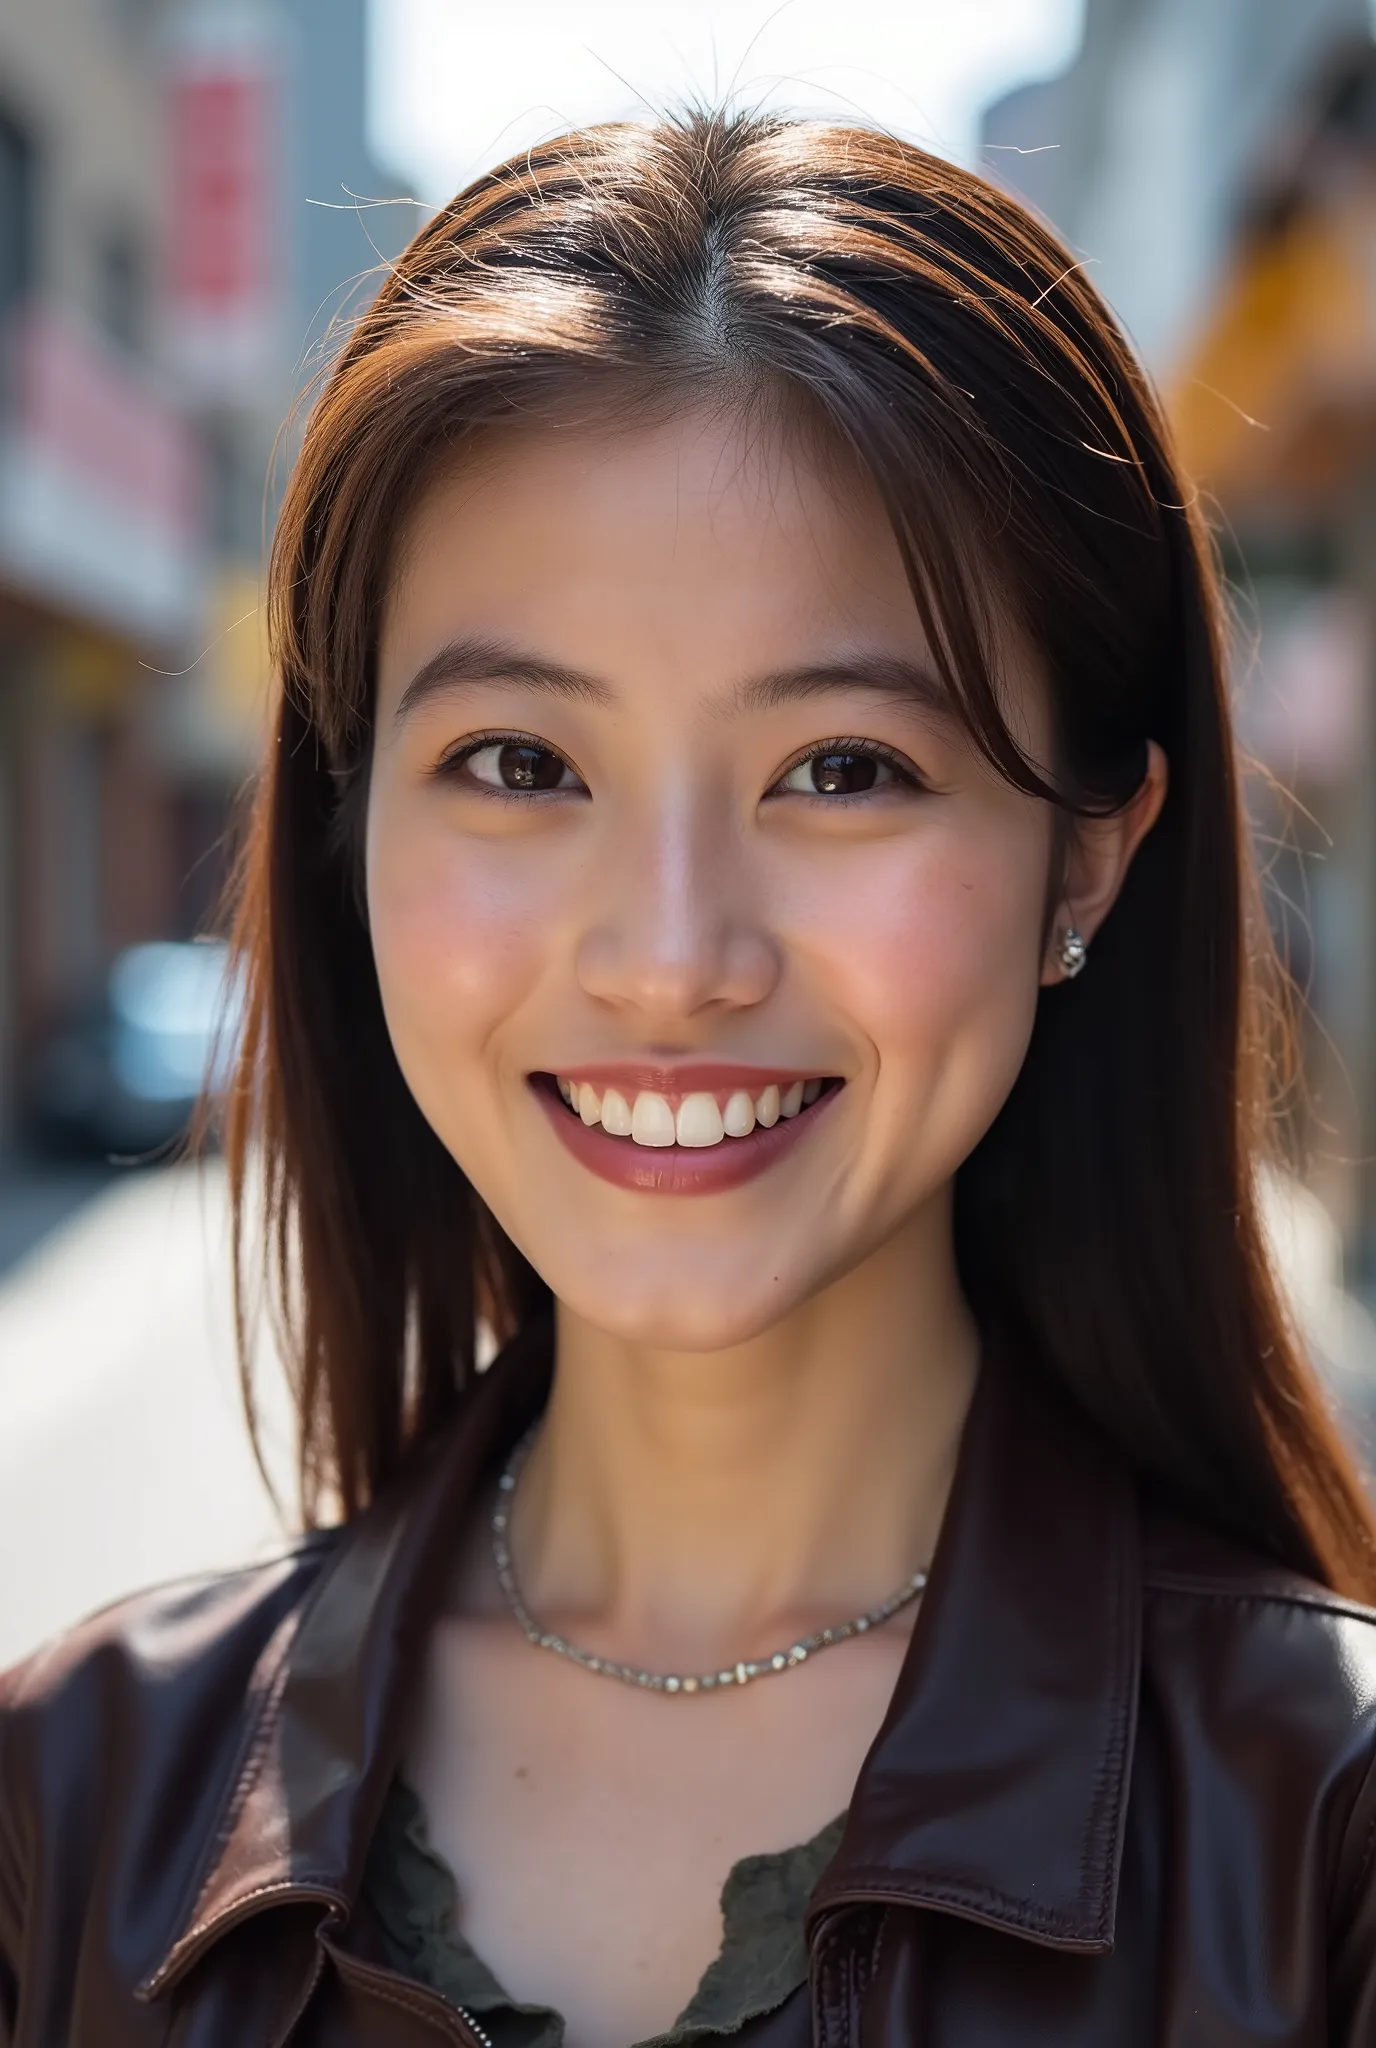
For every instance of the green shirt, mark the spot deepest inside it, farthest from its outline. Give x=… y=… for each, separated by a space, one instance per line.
x=762 y=1960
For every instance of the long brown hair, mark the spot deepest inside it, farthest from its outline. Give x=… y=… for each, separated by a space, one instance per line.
x=949 y=342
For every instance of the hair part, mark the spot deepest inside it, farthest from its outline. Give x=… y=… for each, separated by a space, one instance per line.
x=855 y=287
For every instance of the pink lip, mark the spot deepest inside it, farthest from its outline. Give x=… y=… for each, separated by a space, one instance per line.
x=674 y=1169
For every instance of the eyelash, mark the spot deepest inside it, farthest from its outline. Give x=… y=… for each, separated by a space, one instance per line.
x=870 y=750
x=451 y=764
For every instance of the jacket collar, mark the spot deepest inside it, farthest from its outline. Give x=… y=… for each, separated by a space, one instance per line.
x=330 y=1691
x=996 y=1788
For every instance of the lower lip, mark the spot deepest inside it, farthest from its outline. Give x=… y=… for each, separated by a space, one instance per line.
x=676 y=1169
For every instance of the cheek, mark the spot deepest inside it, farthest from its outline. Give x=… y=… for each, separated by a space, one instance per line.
x=455 y=934
x=938 y=956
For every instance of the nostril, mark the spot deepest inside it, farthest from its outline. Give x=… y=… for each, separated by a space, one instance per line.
x=672 y=975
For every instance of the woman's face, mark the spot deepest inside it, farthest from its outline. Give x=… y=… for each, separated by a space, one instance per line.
x=666 y=816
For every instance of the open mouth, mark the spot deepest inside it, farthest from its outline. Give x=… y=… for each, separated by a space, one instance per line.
x=697 y=1120
x=683 y=1140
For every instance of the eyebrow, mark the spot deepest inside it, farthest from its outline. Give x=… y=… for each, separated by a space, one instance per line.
x=495 y=661
x=885 y=675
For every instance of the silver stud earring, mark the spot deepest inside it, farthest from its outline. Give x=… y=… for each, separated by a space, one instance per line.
x=1072 y=952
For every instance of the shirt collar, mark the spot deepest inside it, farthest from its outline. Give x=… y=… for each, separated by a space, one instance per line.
x=996 y=1788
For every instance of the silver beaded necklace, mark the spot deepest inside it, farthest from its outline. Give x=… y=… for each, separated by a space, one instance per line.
x=656 y=1681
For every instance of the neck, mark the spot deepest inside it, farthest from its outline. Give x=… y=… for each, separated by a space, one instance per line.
x=695 y=1506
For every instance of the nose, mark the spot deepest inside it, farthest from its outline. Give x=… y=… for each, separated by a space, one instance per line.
x=675 y=927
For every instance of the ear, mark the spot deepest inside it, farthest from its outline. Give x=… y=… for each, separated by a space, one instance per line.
x=1097 y=859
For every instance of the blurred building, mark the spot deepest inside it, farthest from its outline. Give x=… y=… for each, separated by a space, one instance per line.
x=186 y=199
x=1141 y=150
x=1215 y=165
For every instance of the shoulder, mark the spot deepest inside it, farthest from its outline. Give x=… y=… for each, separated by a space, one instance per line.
x=139 y=1712
x=1194 y=1576
x=1264 y=1672
x=189 y=1632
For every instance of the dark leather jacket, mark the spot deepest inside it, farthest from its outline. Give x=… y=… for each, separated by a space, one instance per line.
x=1124 y=1795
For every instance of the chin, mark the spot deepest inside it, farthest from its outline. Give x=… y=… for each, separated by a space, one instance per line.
x=682 y=1311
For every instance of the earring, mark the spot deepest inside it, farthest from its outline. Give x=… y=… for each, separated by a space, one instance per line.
x=1072 y=952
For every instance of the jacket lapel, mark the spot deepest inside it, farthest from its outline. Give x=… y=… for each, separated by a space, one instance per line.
x=331 y=1691
x=997 y=1787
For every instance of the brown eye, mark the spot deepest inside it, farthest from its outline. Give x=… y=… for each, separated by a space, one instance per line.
x=840 y=770
x=522 y=767
x=843 y=774
x=518 y=765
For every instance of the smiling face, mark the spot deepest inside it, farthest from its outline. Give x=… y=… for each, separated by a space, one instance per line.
x=707 y=944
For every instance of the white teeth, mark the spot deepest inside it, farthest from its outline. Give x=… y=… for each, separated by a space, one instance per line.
x=738 y=1117
x=616 y=1114
x=652 y=1120
x=699 y=1121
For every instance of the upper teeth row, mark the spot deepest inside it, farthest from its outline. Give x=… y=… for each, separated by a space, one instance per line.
x=652 y=1120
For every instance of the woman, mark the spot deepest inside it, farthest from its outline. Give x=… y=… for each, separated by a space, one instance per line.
x=748 y=906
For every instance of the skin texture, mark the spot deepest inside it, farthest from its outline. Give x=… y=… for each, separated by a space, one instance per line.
x=759 y=1393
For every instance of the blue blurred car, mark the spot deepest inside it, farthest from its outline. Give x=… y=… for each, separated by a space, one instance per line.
x=122 y=1080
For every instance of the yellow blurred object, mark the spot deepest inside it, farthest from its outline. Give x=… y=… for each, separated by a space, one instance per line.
x=92 y=677
x=240 y=673
x=1278 y=394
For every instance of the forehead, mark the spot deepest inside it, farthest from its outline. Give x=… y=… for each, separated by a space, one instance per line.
x=696 y=474
x=679 y=555
x=701 y=524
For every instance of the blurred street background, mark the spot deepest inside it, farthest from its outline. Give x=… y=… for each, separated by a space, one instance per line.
x=193 y=196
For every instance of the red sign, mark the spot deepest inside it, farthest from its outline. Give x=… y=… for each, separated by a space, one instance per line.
x=224 y=165
x=222 y=162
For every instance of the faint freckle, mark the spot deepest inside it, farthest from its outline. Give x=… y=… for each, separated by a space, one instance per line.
x=523 y=1770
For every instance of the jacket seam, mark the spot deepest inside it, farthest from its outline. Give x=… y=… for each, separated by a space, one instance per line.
x=861 y=1975
x=307 y=1889
x=255 y=1742
x=828 y=1976
x=1253 y=1596
x=997 y=1904
x=880 y=1937
x=413 y=2002
x=257 y=1737
x=1109 y=1770
x=309 y=1883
